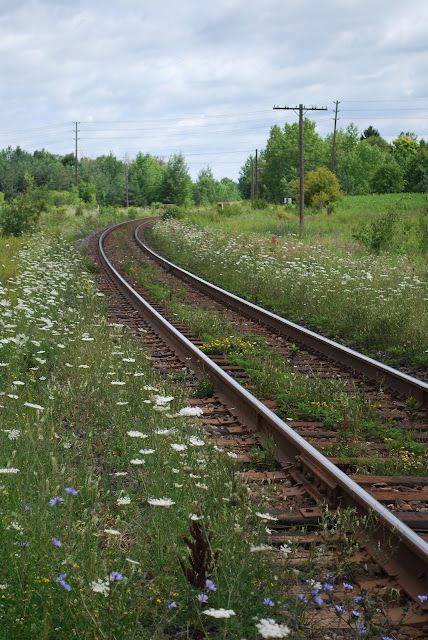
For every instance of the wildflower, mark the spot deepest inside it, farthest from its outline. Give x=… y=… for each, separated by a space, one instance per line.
x=196 y=442
x=34 y=406
x=285 y=550
x=268 y=602
x=56 y=542
x=164 y=432
x=219 y=613
x=210 y=585
x=71 y=491
x=265 y=516
x=137 y=461
x=178 y=447
x=260 y=547
x=101 y=586
x=302 y=598
x=161 y=401
x=422 y=598
x=355 y=613
x=358 y=599
x=122 y=501
x=160 y=502
x=117 y=383
x=347 y=586
x=318 y=601
x=62 y=583
x=172 y=605
x=328 y=588
x=339 y=609
x=136 y=434
x=56 y=500
x=147 y=452
x=115 y=576
x=195 y=517
x=189 y=412
x=202 y=597
x=9 y=470
x=268 y=628
x=13 y=434
x=112 y=532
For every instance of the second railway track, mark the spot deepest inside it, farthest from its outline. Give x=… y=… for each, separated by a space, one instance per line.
x=304 y=478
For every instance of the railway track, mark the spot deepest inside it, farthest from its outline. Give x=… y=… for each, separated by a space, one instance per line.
x=303 y=478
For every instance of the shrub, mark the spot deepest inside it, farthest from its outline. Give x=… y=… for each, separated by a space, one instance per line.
x=22 y=214
x=388 y=178
x=379 y=234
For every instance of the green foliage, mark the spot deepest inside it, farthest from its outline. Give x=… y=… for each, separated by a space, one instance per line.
x=205 y=189
x=378 y=235
x=171 y=211
x=260 y=203
x=22 y=214
x=146 y=174
x=177 y=184
x=322 y=188
x=87 y=192
x=388 y=178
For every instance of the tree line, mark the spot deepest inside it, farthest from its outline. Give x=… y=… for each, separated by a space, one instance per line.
x=364 y=163
x=104 y=180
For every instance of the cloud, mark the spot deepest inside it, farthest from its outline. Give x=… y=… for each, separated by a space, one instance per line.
x=203 y=77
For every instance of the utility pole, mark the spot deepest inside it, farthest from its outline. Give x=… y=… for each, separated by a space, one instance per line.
x=126 y=179
x=76 y=171
x=333 y=150
x=252 y=181
x=256 y=177
x=301 y=110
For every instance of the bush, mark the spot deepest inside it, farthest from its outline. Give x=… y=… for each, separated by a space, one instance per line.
x=260 y=203
x=388 y=178
x=171 y=211
x=322 y=188
x=22 y=214
x=379 y=234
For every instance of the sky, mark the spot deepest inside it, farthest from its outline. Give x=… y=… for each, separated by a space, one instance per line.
x=201 y=78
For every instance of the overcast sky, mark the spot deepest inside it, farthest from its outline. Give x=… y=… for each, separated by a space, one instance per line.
x=202 y=77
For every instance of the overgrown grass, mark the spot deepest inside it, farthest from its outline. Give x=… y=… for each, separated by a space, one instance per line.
x=304 y=397
x=376 y=303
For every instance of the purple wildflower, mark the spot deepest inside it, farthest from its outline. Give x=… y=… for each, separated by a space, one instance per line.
x=318 y=601
x=328 y=588
x=210 y=585
x=422 y=598
x=302 y=598
x=172 y=605
x=62 y=583
x=115 y=576
x=348 y=586
x=362 y=629
x=27 y=507
x=56 y=500
x=56 y=542
x=358 y=599
x=202 y=597
x=355 y=613
x=314 y=591
x=268 y=602
x=71 y=491
x=387 y=638
x=339 y=609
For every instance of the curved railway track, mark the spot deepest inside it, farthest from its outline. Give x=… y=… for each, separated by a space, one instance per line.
x=301 y=467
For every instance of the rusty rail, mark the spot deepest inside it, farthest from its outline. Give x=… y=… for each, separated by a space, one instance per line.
x=398 y=381
x=406 y=554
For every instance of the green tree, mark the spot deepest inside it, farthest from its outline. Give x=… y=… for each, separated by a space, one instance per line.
x=322 y=188
x=23 y=212
x=356 y=167
x=404 y=151
x=145 y=180
x=227 y=190
x=244 y=180
x=388 y=178
x=205 y=189
x=177 y=183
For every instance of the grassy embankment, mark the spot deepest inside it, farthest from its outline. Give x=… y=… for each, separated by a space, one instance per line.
x=371 y=293
x=101 y=479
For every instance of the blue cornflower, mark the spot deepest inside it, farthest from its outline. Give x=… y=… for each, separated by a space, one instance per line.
x=318 y=601
x=328 y=587
x=302 y=598
x=71 y=491
x=348 y=586
x=202 y=597
x=358 y=599
x=56 y=500
x=62 y=583
x=268 y=602
x=172 y=605
x=56 y=542
x=422 y=598
x=210 y=585
x=115 y=576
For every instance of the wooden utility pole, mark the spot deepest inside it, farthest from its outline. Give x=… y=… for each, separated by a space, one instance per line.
x=333 y=149
x=127 y=180
x=301 y=110
x=76 y=171
x=256 y=177
x=252 y=181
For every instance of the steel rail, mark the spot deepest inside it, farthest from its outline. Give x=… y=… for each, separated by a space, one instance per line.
x=406 y=554
x=364 y=365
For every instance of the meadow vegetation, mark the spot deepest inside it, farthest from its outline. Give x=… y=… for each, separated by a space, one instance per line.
x=358 y=275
